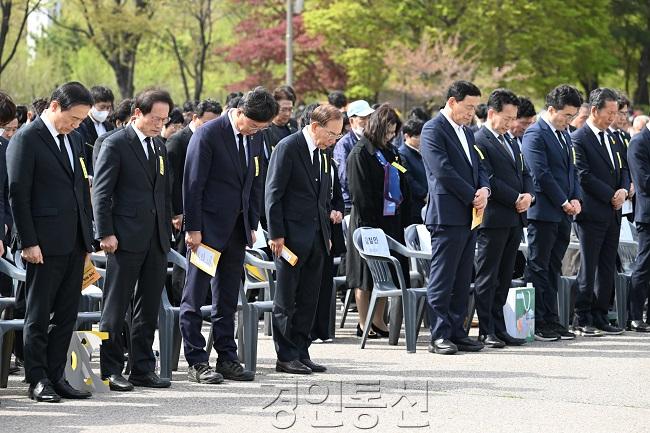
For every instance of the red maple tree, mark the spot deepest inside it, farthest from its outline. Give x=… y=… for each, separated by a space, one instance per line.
x=259 y=50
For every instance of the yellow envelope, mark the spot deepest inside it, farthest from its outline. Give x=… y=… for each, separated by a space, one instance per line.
x=290 y=257
x=206 y=259
x=477 y=218
x=91 y=276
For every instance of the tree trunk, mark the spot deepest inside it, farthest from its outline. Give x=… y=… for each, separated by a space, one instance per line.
x=123 y=68
x=641 y=93
x=589 y=83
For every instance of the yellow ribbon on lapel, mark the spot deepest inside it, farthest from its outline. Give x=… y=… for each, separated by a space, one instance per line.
x=479 y=152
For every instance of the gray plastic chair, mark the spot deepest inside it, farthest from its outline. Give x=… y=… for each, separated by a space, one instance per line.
x=169 y=335
x=250 y=311
x=340 y=281
x=383 y=268
x=7 y=323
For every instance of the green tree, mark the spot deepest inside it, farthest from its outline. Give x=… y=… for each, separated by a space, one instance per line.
x=12 y=29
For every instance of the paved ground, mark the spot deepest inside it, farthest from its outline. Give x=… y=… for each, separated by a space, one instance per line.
x=595 y=385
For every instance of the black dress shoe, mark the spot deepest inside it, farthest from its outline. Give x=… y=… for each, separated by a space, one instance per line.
x=371 y=334
x=65 y=390
x=233 y=370
x=149 y=380
x=43 y=391
x=639 y=326
x=467 y=344
x=292 y=367
x=316 y=368
x=491 y=340
x=381 y=333
x=511 y=341
x=117 y=382
x=442 y=346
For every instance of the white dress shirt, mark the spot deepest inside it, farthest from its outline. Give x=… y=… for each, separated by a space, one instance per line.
x=231 y=113
x=55 y=134
x=460 y=132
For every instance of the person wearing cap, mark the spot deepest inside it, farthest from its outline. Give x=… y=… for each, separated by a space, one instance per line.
x=358 y=113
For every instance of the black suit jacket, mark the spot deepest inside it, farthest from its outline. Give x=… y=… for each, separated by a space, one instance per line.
x=89 y=137
x=100 y=141
x=598 y=179
x=176 y=151
x=5 y=216
x=129 y=201
x=297 y=206
x=215 y=189
x=508 y=179
x=638 y=158
x=50 y=202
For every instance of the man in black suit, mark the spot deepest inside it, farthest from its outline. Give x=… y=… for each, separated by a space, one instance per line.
x=504 y=218
x=415 y=174
x=638 y=158
x=548 y=152
x=525 y=117
x=605 y=181
x=132 y=206
x=120 y=117
x=221 y=206
x=204 y=111
x=50 y=199
x=459 y=187
x=297 y=209
x=96 y=123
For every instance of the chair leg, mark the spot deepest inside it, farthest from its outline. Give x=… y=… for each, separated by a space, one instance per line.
x=176 y=345
x=395 y=320
x=620 y=296
x=333 y=312
x=241 y=343
x=251 y=331
x=346 y=306
x=409 y=303
x=372 y=306
x=165 y=337
x=422 y=309
x=6 y=343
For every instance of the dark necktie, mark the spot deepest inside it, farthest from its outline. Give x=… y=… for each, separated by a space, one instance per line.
x=64 y=150
x=507 y=146
x=242 y=152
x=603 y=143
x=560 y=137
x=315 y=163
x=152 y=156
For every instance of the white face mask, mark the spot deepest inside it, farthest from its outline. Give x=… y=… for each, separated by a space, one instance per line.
x=2 y=131
x=358 y=131
x=99 y=116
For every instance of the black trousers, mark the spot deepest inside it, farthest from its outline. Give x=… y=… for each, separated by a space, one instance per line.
x=598 y=248
x=225 y=293
x=295 y=301
x=547 y=243
x=495 y=263
x=321 y=326
x=134 y=279
x=641 y=273
x=450 y=276
x=52 y=293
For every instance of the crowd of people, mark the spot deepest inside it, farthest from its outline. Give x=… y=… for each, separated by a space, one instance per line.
x=139 y=178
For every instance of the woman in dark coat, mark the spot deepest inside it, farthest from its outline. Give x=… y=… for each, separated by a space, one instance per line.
x=370 y=161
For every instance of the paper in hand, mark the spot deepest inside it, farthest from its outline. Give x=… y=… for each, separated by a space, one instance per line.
x=206 y=259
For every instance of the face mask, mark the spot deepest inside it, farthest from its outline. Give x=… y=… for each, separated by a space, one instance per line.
x=358 y=131
x=99 y=116
x=2 y=131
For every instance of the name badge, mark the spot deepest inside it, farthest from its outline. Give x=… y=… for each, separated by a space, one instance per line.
x=83 y=167
x=399 y=167
x=162 y=165
x=257 y=166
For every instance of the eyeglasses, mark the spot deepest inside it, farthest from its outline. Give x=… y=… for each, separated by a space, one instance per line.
x=286 y=109
x=255 y=129
x=157 y=120
x=331 y=134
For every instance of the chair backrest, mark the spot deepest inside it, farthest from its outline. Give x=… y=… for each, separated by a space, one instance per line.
x=345 y=226
x=372 y=245
x=627 y=246
x=417 y=237
x=260 y=237
x=258 y=274
x=176 y=258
